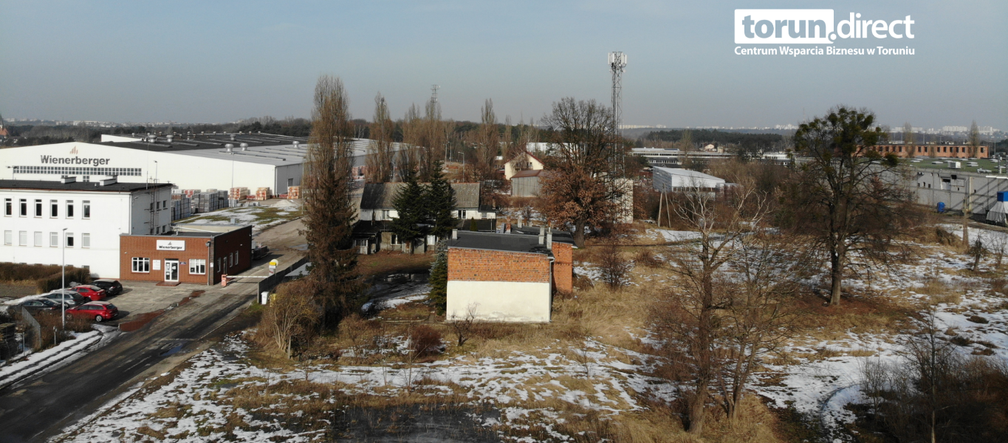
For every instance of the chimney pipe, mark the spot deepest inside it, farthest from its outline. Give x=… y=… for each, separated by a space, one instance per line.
x=549 y=239
x=542 y=235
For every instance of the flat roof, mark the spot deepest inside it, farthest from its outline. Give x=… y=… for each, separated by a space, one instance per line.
x=54 y=185
x=514 y=242
x=260 y=148
x=194 y=230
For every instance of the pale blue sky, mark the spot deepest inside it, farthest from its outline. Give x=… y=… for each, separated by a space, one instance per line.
x=219 y=61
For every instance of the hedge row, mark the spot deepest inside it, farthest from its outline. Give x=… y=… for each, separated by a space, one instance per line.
x=15 y=272
x=55 y=281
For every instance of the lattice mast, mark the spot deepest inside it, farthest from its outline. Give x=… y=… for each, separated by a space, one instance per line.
x=617 y=64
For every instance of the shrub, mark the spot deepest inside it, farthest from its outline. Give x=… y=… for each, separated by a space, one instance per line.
x=425 y=341
x=55 y=281
x=647 y=259
x=614 y=267
x=12 y=272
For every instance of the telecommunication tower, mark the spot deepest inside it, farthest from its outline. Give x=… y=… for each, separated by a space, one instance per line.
x=434 y=89
x=617 y=63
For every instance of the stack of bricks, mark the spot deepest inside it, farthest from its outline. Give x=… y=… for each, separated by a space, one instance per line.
x=262 y=194
x=487 y=265
x=238 y=193
x=293 y=192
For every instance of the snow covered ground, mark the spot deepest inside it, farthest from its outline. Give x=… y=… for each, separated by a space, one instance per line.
x=819 y=378
x=56 y=356
x=198 y=403
x=264 y=215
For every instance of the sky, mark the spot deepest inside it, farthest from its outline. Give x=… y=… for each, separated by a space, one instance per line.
x=221 y=61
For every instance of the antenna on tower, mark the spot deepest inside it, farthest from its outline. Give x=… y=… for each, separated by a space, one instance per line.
x=434 y=89
x=617 y=64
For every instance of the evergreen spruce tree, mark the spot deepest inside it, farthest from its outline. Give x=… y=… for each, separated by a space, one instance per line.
x=328 y=209
x=440 y=203
x=409 y=203
x=438 y=297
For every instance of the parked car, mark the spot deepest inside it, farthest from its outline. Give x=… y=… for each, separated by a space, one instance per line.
x=111 y=287
x=98 y=310
x=40 y=304
x=93 y=292
x=73 y=297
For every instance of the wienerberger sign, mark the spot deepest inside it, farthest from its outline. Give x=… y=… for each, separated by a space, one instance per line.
x=171 y=245
x=51 y=160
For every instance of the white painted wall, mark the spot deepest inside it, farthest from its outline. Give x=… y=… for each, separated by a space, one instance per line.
x=185 y=171
x=112 y=214
x=500 y=301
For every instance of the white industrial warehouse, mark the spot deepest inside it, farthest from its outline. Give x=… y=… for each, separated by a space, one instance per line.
x=675 y=179
x=189 y=161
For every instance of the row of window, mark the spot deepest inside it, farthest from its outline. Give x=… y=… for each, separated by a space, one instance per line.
x=37 y=208
x=142 y=265
x=39 y=237
x=197 y=266
x=76 y=170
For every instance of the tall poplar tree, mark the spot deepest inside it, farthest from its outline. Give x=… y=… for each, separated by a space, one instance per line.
x=328 y=209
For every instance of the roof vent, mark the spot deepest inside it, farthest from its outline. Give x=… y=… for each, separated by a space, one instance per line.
x=232 y=137
x=108 y=181
x=68 y=179
x=296 y=143
x=169 y=137
x=229 y=147
x=244 y=146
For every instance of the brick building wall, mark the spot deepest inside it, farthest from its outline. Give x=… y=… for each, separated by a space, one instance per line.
x=563 y=267
x=487 y=265
x=145 y=248
x=229 y=253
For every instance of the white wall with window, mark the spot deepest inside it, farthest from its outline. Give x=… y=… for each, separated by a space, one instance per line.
x=41 y=219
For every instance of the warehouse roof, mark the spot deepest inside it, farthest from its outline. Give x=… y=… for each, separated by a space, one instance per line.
x=44 y=185
x=259 y=148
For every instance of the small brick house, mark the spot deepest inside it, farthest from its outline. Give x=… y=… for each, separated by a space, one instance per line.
x=507 y=277
x=198 y=254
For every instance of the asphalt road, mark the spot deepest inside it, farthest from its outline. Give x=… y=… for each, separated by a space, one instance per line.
x=39 y=408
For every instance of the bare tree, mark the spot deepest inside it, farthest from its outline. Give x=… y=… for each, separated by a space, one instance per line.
x=487 y=145
x=847 y=195
x=379 y=159
x=909 y=139
x=579 y=192
x=614 y=266
x=763 y=282
x=328 y=209
x=691 y=316
x=290 y=315
x=973 y=139
x=462 y=326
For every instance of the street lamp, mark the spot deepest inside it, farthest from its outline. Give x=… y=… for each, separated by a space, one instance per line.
x=63 y=283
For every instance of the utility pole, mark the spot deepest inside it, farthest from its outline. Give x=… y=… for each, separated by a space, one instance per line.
x=967 y=208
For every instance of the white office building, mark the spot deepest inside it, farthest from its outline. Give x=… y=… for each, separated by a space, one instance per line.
x=42 y=220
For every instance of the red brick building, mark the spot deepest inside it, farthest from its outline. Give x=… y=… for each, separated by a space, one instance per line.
x=198 y=254
x=936 y=151
x=506 y=277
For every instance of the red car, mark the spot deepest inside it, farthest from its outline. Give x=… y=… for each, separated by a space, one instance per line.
x=98 y=310
x=90 y=291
